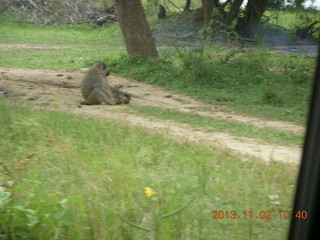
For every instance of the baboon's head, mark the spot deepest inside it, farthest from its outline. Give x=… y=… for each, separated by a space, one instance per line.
x=102 y=66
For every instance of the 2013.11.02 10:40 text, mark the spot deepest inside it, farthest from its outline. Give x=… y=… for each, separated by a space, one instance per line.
x=263 y=214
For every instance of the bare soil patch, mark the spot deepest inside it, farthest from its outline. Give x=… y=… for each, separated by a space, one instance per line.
x=60 y=90
x=6 y=46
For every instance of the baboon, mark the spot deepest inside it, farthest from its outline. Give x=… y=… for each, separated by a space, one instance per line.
x=96 y=89
x=161 y=11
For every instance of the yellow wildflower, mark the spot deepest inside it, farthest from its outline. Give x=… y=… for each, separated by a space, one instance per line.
x=148 y=191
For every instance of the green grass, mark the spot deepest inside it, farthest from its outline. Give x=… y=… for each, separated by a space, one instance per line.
x=69 y=35
x=88 y=44
x=232 y=127
x=84 y=172
x=256 y=82
x=291 y=18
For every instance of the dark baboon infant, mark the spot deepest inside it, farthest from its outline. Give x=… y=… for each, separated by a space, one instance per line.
x=96 y=89
x=161 y=11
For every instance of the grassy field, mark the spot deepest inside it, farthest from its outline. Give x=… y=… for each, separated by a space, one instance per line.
x=71 y=176
x=270 y=85
x=232 y=127
x=254 y=82
x=87 y=44
x=291 y=19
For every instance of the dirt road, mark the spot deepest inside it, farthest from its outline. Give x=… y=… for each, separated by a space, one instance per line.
x=60 y=90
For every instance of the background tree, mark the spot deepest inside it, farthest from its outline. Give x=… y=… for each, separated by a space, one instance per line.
x=253 y=13
x=233 y=13
x=298 y=4
x=187 y=6
x=276 y=4
x=135 y=29
x=207 y=7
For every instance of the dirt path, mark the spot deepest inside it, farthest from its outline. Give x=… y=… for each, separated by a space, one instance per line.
x=60 y=90
x=6 y=46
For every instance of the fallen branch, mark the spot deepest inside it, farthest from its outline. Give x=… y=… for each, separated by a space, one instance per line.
x=51 y=12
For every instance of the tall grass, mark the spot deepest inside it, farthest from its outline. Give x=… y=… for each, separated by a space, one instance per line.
x=68 y=177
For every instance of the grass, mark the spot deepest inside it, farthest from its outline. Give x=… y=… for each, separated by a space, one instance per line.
x=88 y=44
x=70 y=35
x=232 y=127
x=84 y=172
x=292 y=18
x=255 y=82
x=69 y=177
x=270 y=85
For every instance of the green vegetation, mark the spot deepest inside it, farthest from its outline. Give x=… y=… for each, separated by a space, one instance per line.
x=232 y=127
x=68 y=177
x=256 y=82
x=292 y=18
x=85 y=44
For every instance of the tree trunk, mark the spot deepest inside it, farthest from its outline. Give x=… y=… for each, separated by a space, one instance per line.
x=253 y=13
x=207 y=7
x=135 y=29
x=187 y=6
x=233 y=13
x=298 y=4
x=216 y=3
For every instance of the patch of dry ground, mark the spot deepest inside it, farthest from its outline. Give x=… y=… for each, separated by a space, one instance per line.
x=6 y=46
x=60 y=90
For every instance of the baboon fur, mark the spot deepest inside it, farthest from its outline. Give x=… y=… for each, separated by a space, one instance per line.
x=96 y=89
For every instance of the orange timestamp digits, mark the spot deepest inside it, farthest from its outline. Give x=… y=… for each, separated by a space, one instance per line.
x=263 y=214
x=290 y=214
x=224 y=214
